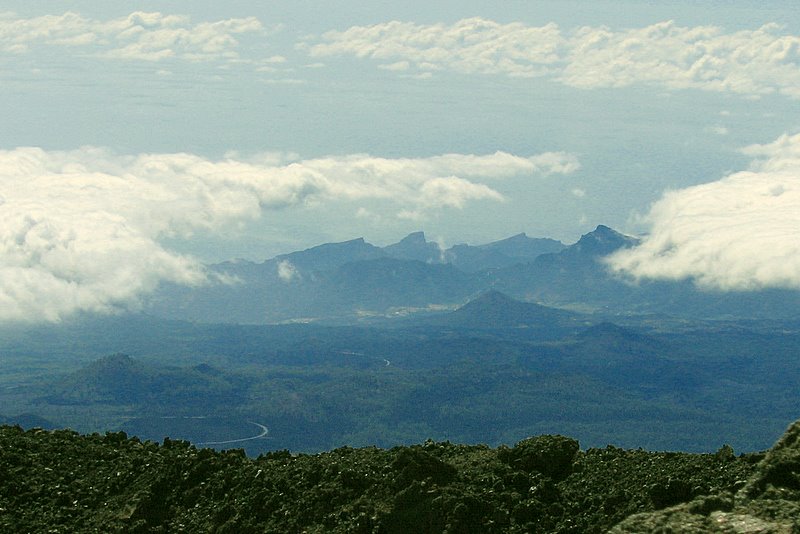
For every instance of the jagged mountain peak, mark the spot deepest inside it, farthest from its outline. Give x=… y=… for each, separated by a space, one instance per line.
x=415 y=247
x=602 y=240
x=414 y=238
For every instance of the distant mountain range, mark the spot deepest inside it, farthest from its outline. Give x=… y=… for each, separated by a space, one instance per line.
x=354 y=281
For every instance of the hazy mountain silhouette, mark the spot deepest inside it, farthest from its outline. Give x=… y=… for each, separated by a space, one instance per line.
x=575 y=275
x=504 y=253
x=348 y=281
x=331 y=255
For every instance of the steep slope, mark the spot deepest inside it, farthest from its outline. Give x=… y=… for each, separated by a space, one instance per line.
x=415 y=247
x=769 y=502
x=600 y=242
x=574 y=276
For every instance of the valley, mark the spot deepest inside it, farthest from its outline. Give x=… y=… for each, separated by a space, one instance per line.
x=318 y=387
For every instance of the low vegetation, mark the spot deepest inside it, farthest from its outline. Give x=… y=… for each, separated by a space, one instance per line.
x=61 y=481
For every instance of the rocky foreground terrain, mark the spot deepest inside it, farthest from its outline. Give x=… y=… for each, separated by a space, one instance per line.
x=60 y=481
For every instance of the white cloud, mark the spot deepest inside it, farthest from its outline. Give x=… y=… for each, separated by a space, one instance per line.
x=411 y=215
x=454 y=192
x=139 y=36
x=396 y=66
x=287 y=271
x=275 y=59
x=471 y=45
x=738 y=233
x=578 y=192
x=369 y=215
x=497 y=165
x=83 y=230
x=747 y=62
x=418 y=76
x=284 y=81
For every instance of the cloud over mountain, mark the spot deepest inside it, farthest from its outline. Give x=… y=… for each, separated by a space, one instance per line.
x=738 y=233
x=83 y=230
x=747 y=62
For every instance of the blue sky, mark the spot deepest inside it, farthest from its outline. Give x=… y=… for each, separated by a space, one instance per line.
x=137 y=145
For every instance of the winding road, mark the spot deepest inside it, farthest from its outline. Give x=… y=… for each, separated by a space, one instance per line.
x=263 y=434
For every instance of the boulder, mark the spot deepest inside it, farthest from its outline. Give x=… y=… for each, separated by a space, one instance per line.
x=769 y=503
x=550 y=455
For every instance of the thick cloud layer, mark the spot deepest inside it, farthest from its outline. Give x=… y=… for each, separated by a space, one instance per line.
x=749 y=62
x=83 y=230
x=739 y=233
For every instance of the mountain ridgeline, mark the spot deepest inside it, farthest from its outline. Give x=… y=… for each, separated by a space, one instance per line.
x=355 y=282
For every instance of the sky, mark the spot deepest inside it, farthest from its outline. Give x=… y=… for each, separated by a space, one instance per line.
x=138 y=145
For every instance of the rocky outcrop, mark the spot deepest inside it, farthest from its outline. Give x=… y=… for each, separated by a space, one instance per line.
x=769 y=503
x=553 y=456
x=60 y=481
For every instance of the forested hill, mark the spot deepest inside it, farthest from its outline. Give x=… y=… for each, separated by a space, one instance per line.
x=61 y=481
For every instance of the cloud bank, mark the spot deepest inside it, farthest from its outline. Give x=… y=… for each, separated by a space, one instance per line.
x=738 y=233
x=748 y=62
x=82 y=230
x=139 y=36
